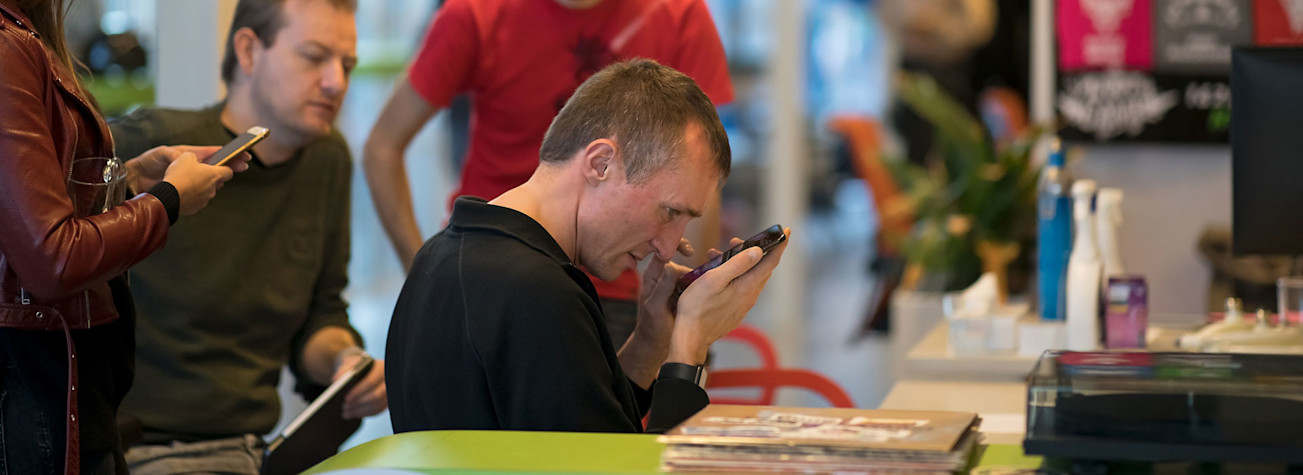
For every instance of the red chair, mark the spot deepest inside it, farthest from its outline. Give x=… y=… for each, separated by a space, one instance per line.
x=753 y=338
x=757 y=341
x=769 y=376
x=1004 y=113
x=770 y=379
x=864 y=137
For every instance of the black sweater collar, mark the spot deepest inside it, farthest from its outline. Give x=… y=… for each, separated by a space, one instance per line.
x=469 y=212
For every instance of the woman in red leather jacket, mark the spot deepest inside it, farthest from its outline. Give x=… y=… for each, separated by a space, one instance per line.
x=67 y=327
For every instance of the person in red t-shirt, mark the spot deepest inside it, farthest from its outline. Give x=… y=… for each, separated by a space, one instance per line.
x=520 y=60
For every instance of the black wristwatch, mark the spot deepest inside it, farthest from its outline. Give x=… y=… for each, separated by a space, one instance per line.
x=688 y=372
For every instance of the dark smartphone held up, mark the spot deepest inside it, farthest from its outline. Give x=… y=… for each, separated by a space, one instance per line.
x=237 y=146
x=767 y=240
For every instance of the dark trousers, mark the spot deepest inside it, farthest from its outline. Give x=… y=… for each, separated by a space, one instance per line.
x=33 y=398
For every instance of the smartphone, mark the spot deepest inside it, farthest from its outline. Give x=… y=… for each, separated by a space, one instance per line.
x=767 y=240
x=237 y=146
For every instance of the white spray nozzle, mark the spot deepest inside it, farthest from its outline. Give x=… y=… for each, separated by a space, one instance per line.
x=1108 y=203
x=1082 y=192
x=1083 y=188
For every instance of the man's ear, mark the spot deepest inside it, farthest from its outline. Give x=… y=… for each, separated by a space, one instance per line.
x=247 y=49
x=601 y=161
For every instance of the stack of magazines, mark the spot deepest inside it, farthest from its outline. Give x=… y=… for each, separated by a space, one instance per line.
x=724 y=438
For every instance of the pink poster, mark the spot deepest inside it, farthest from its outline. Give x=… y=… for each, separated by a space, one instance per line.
x=1100 y=34
x=1279 y=22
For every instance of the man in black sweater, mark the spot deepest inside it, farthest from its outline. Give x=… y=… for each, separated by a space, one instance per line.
x=255 y=282
x=498 y=328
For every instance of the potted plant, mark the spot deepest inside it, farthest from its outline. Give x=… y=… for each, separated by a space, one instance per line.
x=974 y=201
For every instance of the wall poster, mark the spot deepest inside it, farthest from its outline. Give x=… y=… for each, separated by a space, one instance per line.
x=1158 y=70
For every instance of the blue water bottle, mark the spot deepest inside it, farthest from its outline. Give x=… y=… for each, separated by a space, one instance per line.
x=1054 y=234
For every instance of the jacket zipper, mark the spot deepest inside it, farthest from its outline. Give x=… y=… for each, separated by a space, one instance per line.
x=76 y=136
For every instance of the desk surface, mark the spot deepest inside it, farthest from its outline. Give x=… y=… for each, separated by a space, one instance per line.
x=1001 y=405
x=931 y=359
x=518 y=452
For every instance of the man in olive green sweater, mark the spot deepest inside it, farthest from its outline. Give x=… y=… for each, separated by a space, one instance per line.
x=254 y=282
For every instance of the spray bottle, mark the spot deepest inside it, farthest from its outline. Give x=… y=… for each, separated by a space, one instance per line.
x=1084 y=271
x=1108 y=218
x=1054 y=234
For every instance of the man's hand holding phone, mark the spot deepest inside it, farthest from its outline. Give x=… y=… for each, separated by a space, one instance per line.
x=766 y=240
x=715 y=303
x=680 y=328
x=655 y=322
x=642 y=355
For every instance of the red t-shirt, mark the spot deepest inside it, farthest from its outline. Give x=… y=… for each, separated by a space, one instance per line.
x=522 y=59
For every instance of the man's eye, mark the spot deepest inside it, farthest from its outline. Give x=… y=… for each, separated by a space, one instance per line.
x=672 y=213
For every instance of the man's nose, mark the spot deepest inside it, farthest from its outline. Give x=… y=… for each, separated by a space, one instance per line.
x=667 y=242
x=334 y=79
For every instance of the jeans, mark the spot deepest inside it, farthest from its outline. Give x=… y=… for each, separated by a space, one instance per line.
x=33 y=397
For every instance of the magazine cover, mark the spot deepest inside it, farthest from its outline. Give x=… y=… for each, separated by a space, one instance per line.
x=935 y=431
x=770 y=458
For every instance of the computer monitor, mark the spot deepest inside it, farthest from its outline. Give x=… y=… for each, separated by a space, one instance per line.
x=1267 y=151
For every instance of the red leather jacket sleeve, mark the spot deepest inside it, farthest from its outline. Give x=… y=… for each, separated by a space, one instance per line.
x=53 y=253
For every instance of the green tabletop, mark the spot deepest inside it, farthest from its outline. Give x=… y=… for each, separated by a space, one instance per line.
x=542 y=452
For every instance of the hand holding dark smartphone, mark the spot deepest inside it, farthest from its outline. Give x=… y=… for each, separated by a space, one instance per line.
x=767 y=240
x=237 y=146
